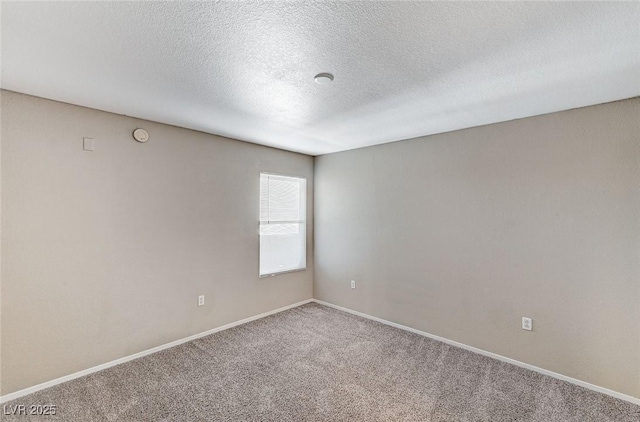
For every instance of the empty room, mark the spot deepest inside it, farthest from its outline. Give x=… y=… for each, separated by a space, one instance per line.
x=320 y=211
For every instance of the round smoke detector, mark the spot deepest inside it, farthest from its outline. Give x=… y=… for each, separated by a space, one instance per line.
x=323 y=78
x=141 y=135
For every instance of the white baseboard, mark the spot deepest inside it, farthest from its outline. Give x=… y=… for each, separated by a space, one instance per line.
x=593 y=387
x=580 y=383
x=30 y=390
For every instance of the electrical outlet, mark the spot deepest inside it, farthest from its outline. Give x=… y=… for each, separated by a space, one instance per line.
x=353 y=284
x=201 y=300
x=527 y=324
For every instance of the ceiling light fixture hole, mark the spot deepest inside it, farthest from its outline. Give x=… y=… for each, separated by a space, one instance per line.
x=323 y=78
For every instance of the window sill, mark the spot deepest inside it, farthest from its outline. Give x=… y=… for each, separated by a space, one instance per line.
x=297 y=270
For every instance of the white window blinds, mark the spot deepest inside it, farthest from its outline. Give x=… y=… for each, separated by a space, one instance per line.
x=282 y=224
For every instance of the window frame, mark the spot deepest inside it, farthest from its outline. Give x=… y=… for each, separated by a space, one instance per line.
x=303 y=223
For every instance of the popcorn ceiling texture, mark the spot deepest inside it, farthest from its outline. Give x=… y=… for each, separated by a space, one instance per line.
x=245 y=70
x=315 y=363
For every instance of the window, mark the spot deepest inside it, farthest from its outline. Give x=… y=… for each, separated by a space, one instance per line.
x=282 y=224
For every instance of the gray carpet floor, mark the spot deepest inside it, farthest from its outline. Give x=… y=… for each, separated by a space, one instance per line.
x=315 y=363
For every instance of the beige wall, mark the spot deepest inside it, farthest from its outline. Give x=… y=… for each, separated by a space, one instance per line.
x=104 y=253
x=461 y=234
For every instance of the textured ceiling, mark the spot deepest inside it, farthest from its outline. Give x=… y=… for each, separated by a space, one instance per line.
x=245 y=70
